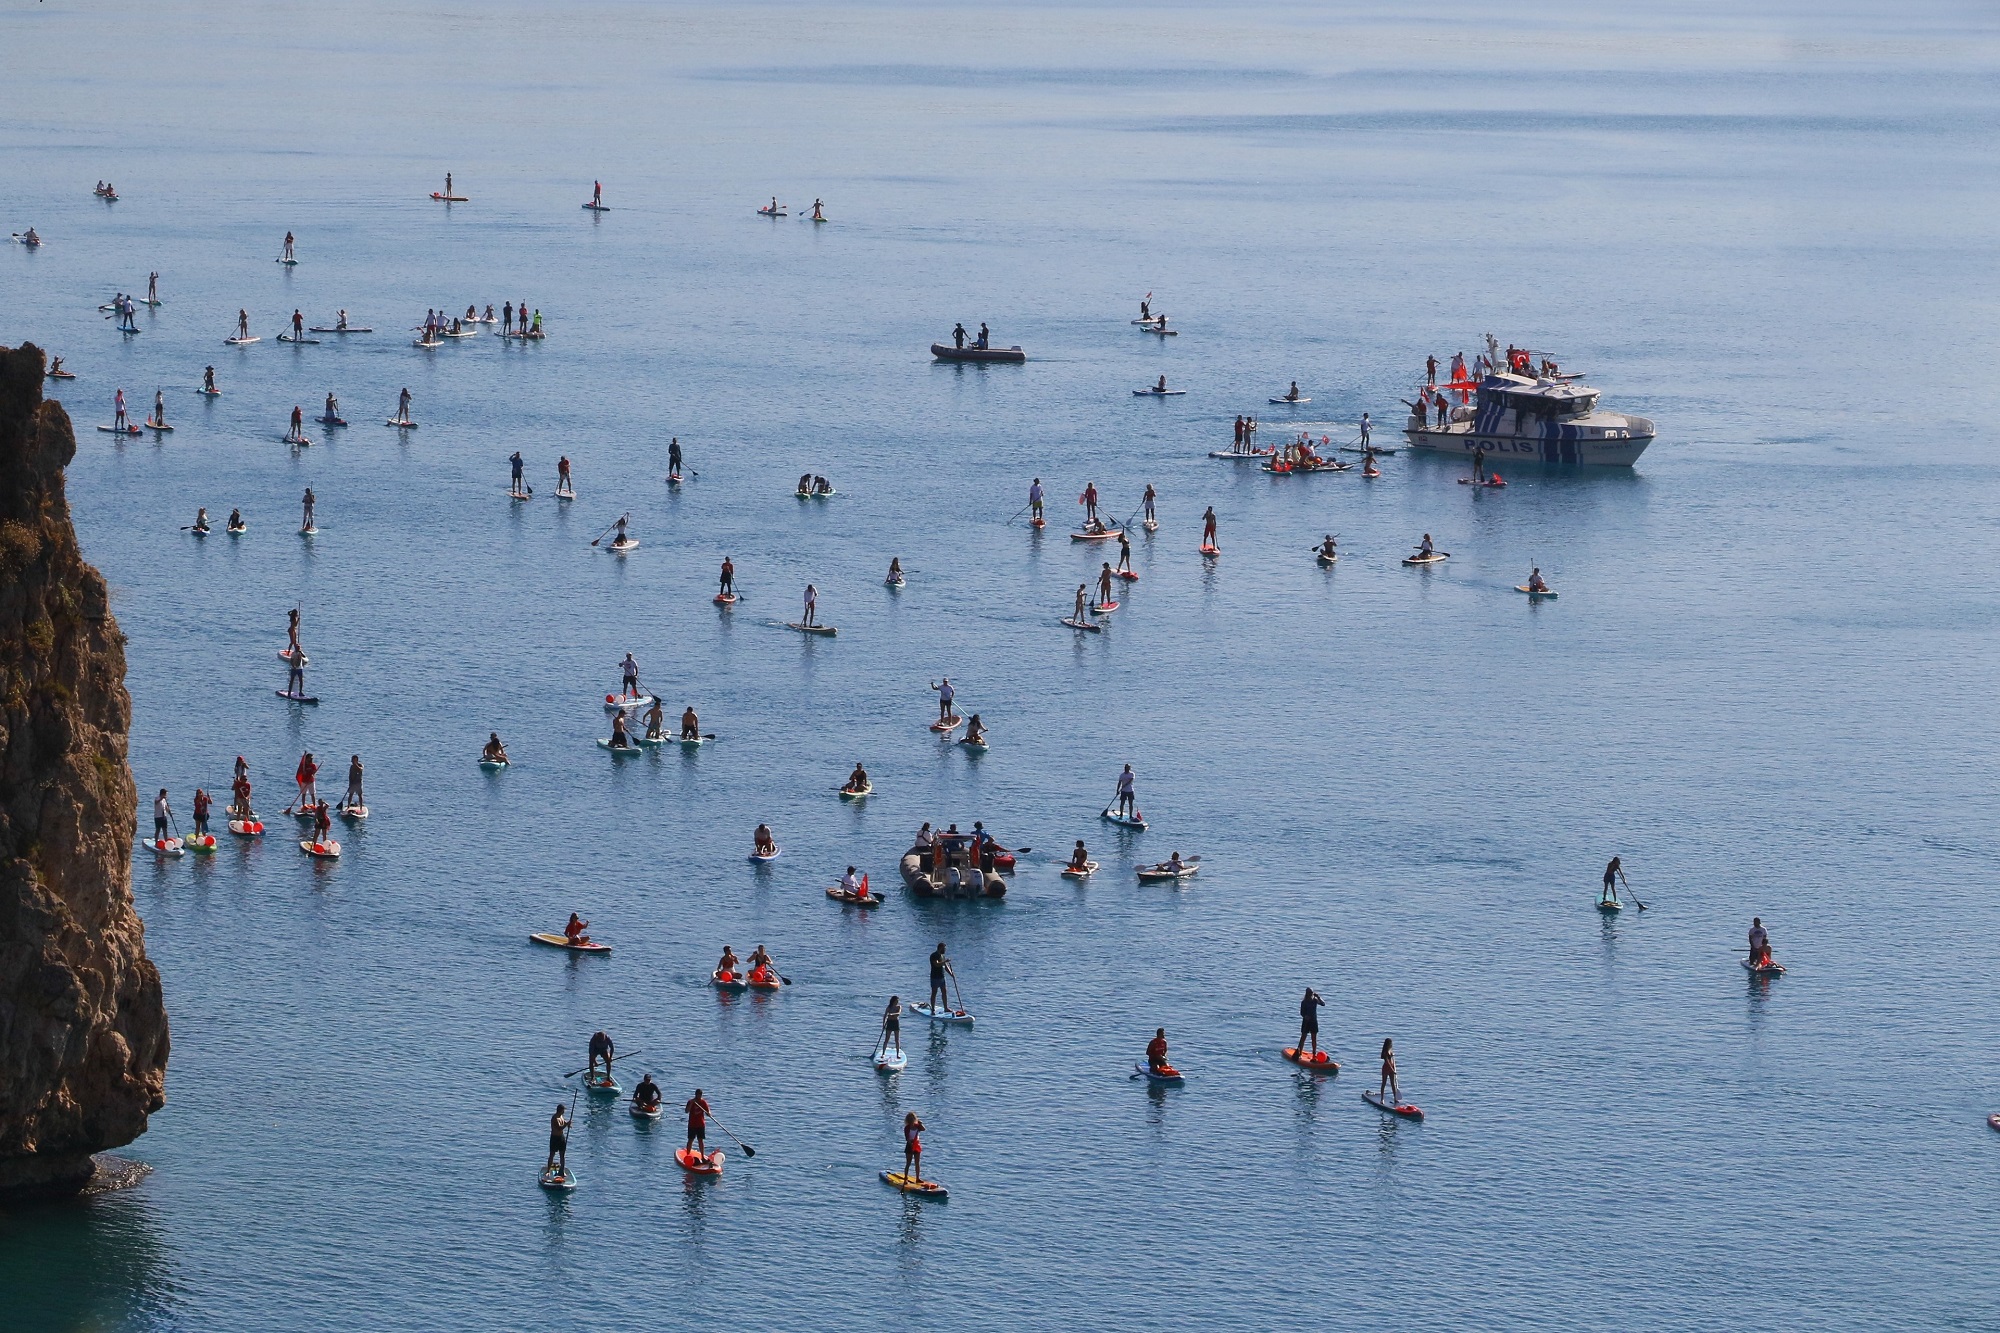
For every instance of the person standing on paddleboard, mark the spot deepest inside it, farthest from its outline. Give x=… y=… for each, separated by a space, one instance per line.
x=306 y=517
x=1309 y=1008
x=728 y=588
x=812 y=603
x=1128 y=800
x=1082 y=604
x=403 y=407
x=298 y=326
x=629 y=669
x=1760 y=939
x=913 y=1149
x=697 y=1113
x=601 y=1048
x=202 y=803
x=1124 y=550
x=1146 y=504
x=322 y=822
x=1035 y=502
x=945 y=695
x=353 y=797
x=1104 y=585
x=892 y=1027
x=308 y=779
x=159 y=408
x=674 y=455
x=940 y=969
x=558 y=1141
x=984 y=337
x=1388 y=1083
x=118 y=419
x=243 y=326
x=1208 y=528
x=1089 y=502
x=1615 y=870
x=516 y=487
x=295 y=677
x=161 y=814
x=563 y=483
x=1365 y=428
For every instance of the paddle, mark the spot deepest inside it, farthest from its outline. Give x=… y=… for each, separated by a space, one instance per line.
x=1018 y=512
x=1628 y=888
x=748 y=1151
x=629 y=1055
x=607 y=529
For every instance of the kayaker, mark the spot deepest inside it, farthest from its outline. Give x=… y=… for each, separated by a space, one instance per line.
x=690 y=725
x=353 y=796
x=653 y=719
x=697 y=1114
x=1146 y=504
x=975 y=731
x=1080 y=858
x=945 y=695
x=1128 y=800
x=1156 y=1053
x=913 y=1149
x=1309 y=1008
x=725 y=970
x=1208 y=528
x=674 y=455
x=493 y=752
x=558 y=1141
x=1089 y=501
x=201 y=807
x=601 y=1048
x=574 y=931
x=1613 y=872
x=761 y=971
x=856 y=781
x=1388 y=1083
x=308 y=779
x=1537 y=584
x=515 y=461
x=892 y=1027
x=629 y=671
x=1035 y=501
x=1327 y=550
x=766 y=844
x=1760 y=939
x=812 y=603
x=162 y=812
x=1104 y=585
x=1124 y=550
x=940 y=969
x=620 y=738
x=728 y=588
x=646 y=1097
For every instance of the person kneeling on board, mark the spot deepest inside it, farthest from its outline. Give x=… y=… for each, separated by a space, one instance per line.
x=766 y=844
x=1080 y=858
x=690 y=725
x=1156 y=1053
x=493 y=752
x=620 y=740
x=654 y=719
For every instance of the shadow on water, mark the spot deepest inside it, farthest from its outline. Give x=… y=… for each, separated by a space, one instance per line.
x=96 y=1261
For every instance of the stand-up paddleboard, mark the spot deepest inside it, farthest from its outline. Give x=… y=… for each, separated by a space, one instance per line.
x=686 y=740
x=309 y=530
x=558 y=1178
x=697 y=1165
x=1434 y=558
x=493 y=765
x=1762 y=969
x=1376 y=449
x=242 y=342
x=321 y=851
x=952 y=723
x=1160 y=871
x=849 y=794
x=622 y=751
x=62 y=375
x=462 y=333
x=1158 y=393
x=674 y=479
x=644 y=1112
x=1291 y=402
x=923 y=1189
x=1319 y=1061
x=1169 y=1077
x=618 y=703
x=1129 y=575
x=765 y=858
x=351 y=812
x=325 y=420
x=238 y=529
x=1133 y=820
x=1535 y=594
x=977 y=746
x=724 y=599
x=120 y=430
x=246 y=828
x=1254 y=455
x=771 y=982
x=827 y=631
x=815 y=495
x=1210 y=552
x=564 y=942
x=1104 y=608
x=296 y=698
x=1071 y=872
x=1491 y=483
x=329 y=328
x=922 y=1009
x=1326 y=559
x=302 y=342
x=620 y=548
x=598 y=208
x=289 y=263
x=158 y=426
x=128 y=330
x=520 y=495
x=200 y=532
x=1085 y=625
x=1405 y=1109
x=427 y=342
x=297 y=441
x=443 y=198
x=1103 y=536
x=601 y=1085
x=1608 y=905
x=841 y=895
x=889 y=1062
x=772 y=213
x=164 y=846
x=733 y=985
x=562 y=494
x=893 y=583
x=400 y=425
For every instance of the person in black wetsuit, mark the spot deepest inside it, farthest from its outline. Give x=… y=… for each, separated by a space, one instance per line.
x=518 y=466
x=647 y=1095
x=674 y=455
x=601 y=1048
x=1309 y=1008
x=940 y=969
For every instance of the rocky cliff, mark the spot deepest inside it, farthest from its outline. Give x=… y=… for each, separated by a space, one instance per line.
x=83 y=1030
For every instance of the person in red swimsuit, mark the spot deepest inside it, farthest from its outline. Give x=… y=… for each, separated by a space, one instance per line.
x=913 y=1149
x=697 y=1114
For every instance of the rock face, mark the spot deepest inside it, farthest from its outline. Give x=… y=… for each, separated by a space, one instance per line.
x=83 y=1029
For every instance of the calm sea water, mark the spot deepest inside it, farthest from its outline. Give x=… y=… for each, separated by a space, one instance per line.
x=1765 y=682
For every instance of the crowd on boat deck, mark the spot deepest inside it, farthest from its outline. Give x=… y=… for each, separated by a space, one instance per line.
x=942 y=851
x=959 y=335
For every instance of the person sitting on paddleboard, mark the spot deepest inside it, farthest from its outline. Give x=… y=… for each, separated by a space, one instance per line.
x=1080 y=858
x=728 y=588
x=573 y=932
x=1327 y=548
x=766 y=844
x=761 y=971
x=690 y=725
x=913 y=1149
x=647 y=1095
x=161 y=814
x=892 y=1027
x=854 y=886
x=940 y=969
x=1309 y=1008
x=1156 y=1053
x=1161 y=387
x=516 y=463
x=1613 y=872
x=821 y=486
x=332 y=408
x=1089 y=501
x=620 y=739
x=1388 y=1083
x=200 y=521
x=1760 y=941
x=1035 y=500
x=308 y=779
x=236 y=523
x=353 y=797
x=558 y=1141
x=945 y=695
x=494 y=751
x=726 y=969
x=654 y=718
x=1424 y=548
x=1537 y=584
x=629 y=670
x=812 y=603
x=601 y=1048
x=895 y=569
x=1128 y=800
x=958 y=335
x=975 y=731
x=674 y=455
x=856 y=781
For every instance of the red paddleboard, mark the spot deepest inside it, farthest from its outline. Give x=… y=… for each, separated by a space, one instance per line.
x=725 y=599
x=1126 y=573
x=1104 y=608
x=710 y=1165
x=1405 y=1109
x=1207 y=549
x=1317 y=1060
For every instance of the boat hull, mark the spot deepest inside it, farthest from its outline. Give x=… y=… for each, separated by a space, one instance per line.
x=946 y=353
x=1563 y=445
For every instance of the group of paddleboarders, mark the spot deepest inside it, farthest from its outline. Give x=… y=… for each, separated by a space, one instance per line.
x=812 y=484
x=761 y=971
x=123 y=309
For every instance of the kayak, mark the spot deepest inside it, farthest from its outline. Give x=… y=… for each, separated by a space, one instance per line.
x=1255 y=455
x=922 y=1009
x=888 y=1063
x=603 y=1084
x=564 y=942
x=728 y=982
x=559 y=1178
x=615 y=703
x=764 y=857
x=1291 y=402
x=1762 y=969
x=1154 y=873
x=1071 y=872
x=841 y=895
x=1405 y=1109
x=696 y=1164
x=644 y=1112
x=200 y=843
x=1434 y=558
x=165 y=846
x=1170 y=1077
x=826 y=630
x=951 y=723
x=297 y=698
x=1074 y=623
x=246 y=828
x=1133 y=820
x=622 y=751
x=1535 y=593
x=1158 y=393
x=924 y=1189
x=324 y=851
x=1011 y=355
x=1318 y=1060
x=862 y=794
x=725 y=599
x=493 y=765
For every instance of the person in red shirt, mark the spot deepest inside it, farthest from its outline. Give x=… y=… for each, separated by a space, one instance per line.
x=913 y=1149
x=697 y=1114
x=1156 y=1053
x=308 y=780
x=201 y=805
